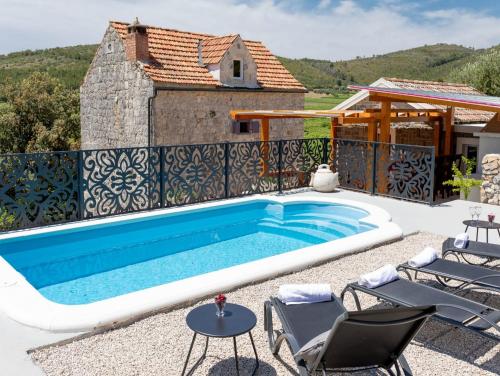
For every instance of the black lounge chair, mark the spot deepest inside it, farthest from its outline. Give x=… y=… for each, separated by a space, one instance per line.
x=451 y=308
x=487 y=251
x=471 y=276
x=351 y=341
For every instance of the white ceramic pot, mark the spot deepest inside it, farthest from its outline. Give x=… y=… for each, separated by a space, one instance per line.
x=324 y=180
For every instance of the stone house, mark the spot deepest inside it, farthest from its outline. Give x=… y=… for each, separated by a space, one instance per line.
x=469 y=124
x=154 y=86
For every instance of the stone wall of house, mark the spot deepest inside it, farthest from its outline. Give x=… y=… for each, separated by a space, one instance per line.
x=193 y=117
x=114 y=98
x=490 y=189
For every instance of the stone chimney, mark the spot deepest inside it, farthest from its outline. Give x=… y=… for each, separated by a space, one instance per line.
x=200 y=53
x=136 y=44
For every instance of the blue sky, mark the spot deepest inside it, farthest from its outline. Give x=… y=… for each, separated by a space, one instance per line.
x=489 y=6
x=324 y=29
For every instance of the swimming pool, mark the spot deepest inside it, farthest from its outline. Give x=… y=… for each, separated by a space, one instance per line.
x=97 y=266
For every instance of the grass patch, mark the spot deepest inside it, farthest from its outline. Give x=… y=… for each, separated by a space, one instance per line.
x=320 y=127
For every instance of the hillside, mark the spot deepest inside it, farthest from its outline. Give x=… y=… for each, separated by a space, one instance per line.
x=69 y=64
x=434 y=62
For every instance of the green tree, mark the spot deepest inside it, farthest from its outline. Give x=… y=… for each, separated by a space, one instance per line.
x=483 y=73
x=39 y=114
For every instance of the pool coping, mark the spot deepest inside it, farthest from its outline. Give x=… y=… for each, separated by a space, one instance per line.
x=24 y=304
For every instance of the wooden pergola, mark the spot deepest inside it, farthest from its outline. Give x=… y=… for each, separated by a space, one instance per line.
x=371 y=117
x=379 y=120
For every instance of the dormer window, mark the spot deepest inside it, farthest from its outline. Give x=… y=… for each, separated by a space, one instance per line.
x=237 y=72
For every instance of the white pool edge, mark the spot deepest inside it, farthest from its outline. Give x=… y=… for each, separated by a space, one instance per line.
x=24 y=304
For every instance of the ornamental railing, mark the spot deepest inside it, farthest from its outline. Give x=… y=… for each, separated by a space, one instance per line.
x=46 y=188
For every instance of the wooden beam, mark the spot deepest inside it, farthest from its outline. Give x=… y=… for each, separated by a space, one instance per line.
x=408 y=98
x=264 y=130
x=410 y=111
x=367 y=120
x=385 y=122
x=350 y=120
x=333 y=128
x=372 y=131
x=437 y=137
x=334 y=125
x=448 y=128
x=264 y=138
x=378 y=98
x=493 y=125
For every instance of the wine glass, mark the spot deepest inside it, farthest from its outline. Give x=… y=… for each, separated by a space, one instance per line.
x=478 y=212
x=472 y=211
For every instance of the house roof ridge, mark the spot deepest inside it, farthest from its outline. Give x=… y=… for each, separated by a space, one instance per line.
x=166 y=29
x=223 y=36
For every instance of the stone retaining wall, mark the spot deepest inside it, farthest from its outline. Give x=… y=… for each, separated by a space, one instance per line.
x=414 y=135
x=490 y=190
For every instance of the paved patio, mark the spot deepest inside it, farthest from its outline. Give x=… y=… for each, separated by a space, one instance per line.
x=444 y=219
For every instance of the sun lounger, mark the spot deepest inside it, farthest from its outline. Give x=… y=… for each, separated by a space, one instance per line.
x=470 y=276
x=451 y=308
x=487 y=251
x=349 y=340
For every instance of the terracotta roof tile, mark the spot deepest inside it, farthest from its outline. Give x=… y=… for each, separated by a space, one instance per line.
x=213 y=49
x=174 y=58
x=462 y=115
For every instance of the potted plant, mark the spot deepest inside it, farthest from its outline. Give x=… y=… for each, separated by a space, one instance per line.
x=463 y=183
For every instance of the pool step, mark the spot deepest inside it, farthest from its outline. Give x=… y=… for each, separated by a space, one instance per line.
x=307 y=234
x=325 y=216
x=338 y=228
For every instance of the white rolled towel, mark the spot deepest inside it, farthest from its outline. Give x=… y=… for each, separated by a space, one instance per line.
x=305 y=293
x=379 y=277
x=425 y=257
x=461 y=240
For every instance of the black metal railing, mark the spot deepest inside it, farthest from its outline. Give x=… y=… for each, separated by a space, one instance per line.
x=46 y=188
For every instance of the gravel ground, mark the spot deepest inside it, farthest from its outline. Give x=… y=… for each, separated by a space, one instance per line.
x=158 y=345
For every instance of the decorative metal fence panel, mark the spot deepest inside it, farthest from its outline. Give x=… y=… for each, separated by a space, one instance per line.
x=252 y=167
x=354 y=161
x=38 y=189
x=193 y=173
x=299 y=158
x=118 y=181
x=45 y=188
x=405 y=171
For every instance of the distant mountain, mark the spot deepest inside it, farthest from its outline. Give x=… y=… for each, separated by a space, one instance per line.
x=434 y=62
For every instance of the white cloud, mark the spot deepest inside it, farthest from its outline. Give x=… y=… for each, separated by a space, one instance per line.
x=340 y=30
x=324 y=4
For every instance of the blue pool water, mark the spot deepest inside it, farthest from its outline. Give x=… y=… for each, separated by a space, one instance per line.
x=89 y=264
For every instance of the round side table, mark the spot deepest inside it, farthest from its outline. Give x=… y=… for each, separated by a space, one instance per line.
x=237 y=320
x=482 y=224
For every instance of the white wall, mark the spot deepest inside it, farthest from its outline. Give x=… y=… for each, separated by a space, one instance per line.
x=489 y=143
